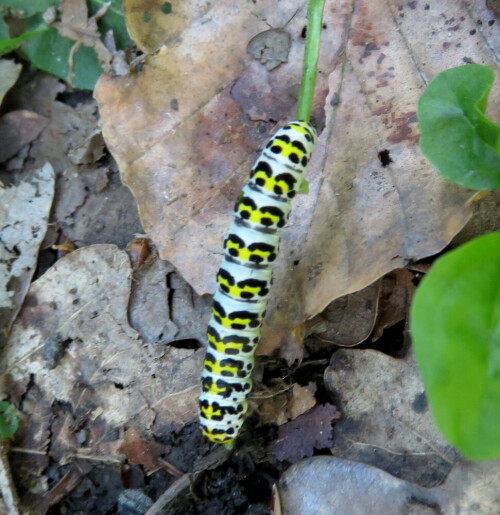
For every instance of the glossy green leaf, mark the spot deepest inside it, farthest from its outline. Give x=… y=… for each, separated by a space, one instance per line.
x=455 y=327
x=8 y=420
x=26 y=8
x=455 y=135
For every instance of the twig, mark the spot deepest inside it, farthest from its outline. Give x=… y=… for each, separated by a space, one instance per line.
x=177 y=488
x=7 y=487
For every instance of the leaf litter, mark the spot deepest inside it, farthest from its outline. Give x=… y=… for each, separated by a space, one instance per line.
x=106 y=387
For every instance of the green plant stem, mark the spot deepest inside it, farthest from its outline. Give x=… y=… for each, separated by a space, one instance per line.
x=315 y=21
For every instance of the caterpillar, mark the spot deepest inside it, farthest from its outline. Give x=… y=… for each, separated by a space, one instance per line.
x=245 y=276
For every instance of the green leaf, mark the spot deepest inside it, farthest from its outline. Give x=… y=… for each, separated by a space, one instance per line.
x=455 y=135
x=50 y=52
x=8 y=45
x=27 y=8
x=8 y=420
x=455 y=327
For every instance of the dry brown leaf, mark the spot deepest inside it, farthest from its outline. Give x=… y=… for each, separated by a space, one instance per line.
x=280 y=408
x=185 y=130
x=396 y=296
x=325 y=485
x=151 y=23
x=349 y=320
x=163 y=308
x=302 y=399
x=18 y=128
x=270 y=47
x=81 y=303
x=140 y=452
x=385 y=417
x=272 y=410
x=24 y=215
x=9 y=72
x=298 y=439
x=70 y=140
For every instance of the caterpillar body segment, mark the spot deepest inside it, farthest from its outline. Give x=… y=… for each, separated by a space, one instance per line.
x=260 y=211
x=241 y=282
x=245 y=277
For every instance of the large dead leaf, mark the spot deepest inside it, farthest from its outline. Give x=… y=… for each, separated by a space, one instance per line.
x=24 y=215
x=185 y=130
x=385 y=417
x=74 y=338
x=325 y=485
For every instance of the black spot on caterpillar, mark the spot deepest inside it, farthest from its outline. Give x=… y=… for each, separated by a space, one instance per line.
x=244 y=279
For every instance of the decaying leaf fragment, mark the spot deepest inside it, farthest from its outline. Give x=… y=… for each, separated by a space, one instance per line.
x=270 y=47
x=76 y=25
x=141 y=452
x=24 y=214
x=298 y=439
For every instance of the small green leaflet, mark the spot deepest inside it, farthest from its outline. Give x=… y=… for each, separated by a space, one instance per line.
x=455 y=135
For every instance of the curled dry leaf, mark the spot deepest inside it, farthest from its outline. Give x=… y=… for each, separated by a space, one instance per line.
x=24 y=214
x=385 y=417
x=9 y=72
x=395 y=299
x=184 y=132
x=302 y=399
x=349 y=320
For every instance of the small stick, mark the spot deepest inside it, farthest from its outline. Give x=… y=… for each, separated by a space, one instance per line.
x=177 y=488
x=7 y=487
